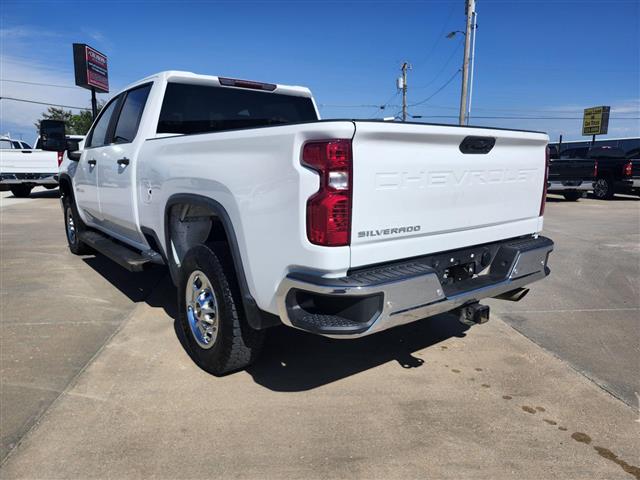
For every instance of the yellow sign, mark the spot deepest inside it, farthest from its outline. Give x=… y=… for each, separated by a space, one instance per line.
x=595 y=121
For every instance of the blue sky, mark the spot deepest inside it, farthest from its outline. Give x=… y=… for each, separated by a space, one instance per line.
x=540 y=58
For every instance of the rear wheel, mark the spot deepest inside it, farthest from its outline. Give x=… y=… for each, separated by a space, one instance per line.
x=21 y=191
x=572 y=196
x=603 y=188
x=211 y=312
x=73 y=225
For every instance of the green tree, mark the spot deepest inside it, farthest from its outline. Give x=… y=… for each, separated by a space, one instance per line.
x=75 y=123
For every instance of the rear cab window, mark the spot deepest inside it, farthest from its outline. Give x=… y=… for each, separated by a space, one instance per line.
x=190 y=108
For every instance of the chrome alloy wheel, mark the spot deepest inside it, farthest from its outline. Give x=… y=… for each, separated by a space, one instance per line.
x=71 y=227
x=202 y=309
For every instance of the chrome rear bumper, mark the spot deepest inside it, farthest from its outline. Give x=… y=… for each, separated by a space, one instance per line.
x=404 y=292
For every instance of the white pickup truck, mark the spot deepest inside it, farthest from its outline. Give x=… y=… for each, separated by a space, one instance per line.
x=21 y=169
x=266 y=215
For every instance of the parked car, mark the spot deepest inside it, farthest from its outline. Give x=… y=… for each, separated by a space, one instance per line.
x=612 y=168
x=21 y=169
x=8 y=143
x=569 y=176
x=265 y=215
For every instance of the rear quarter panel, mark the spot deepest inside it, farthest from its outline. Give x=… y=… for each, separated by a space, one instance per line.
x=256 y=176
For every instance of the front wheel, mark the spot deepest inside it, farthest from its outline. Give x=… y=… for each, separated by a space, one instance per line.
x=211 y=312
x=21 y=191
x=603 y=188
x=572 y=196
x=73 y=225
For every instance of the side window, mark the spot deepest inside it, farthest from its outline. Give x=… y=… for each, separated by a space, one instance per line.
x=130 y=114
x=5 y=144
x=101 y=129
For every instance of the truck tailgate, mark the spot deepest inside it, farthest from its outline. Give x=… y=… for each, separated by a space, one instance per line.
x=28 y=161
x=415 y=192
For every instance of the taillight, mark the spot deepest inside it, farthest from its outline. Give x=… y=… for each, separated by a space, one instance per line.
x=546 y=180
x=329 y=209
x=627 y=169
x=595 y=169
x=60 y=158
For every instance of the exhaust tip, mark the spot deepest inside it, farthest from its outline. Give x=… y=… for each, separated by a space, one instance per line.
x=514 y=295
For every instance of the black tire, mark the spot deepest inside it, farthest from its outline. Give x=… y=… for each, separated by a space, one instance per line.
x=572 y=196
x=235 y=344
x=21 y=191
x=604 y=188
x=72 y=221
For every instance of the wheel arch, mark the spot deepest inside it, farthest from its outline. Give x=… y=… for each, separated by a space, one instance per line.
x=256 y=317
x=65 y=185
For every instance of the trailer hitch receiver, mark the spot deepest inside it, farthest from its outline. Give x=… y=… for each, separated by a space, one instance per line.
x=473 y=314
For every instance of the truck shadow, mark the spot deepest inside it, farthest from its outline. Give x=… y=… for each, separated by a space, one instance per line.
x=292 y=360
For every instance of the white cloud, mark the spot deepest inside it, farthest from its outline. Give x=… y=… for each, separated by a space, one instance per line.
x=20 y=116
x=38 y=55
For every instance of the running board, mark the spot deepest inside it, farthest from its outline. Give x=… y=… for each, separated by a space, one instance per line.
x=124 y=256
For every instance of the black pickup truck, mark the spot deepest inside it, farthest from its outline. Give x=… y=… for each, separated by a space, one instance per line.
x=612 y=169
x=633 y=182
x=569 y=174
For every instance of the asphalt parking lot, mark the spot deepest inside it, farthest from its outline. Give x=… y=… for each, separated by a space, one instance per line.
x=96 y=383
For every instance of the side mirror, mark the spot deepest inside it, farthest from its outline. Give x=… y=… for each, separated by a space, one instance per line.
x=73 y=150
x=74 y=155
x=52 y=135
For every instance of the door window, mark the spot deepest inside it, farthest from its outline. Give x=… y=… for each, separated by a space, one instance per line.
x=130 y=114
x=98 y=137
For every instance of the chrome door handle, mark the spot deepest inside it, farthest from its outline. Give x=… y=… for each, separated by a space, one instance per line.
x=123 y=161
x=92 y=162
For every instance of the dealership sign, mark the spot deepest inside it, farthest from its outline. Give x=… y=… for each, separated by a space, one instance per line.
x=91 y=68
x=595 y=121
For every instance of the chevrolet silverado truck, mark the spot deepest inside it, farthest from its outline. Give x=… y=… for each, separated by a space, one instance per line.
x=22 y=169
x=570 y=177
x=266 y=215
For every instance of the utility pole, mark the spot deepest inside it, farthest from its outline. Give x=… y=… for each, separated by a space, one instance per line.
x=405 y=67
x=470 y=6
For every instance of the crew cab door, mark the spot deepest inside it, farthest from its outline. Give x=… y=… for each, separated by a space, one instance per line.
x=116 y=167
x=85 y=177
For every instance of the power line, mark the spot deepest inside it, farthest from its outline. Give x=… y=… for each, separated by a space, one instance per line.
x=532 y=110
x=364 y=105
x=446 y=64
x=519 y=118
x=385 y=104
x=37 y=83
x=441 y=34
x=43 y=103
x=438 y=90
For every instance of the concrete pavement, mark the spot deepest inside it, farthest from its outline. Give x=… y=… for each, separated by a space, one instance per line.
x=56 y=312
x=588 y=311
x=428 y=400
